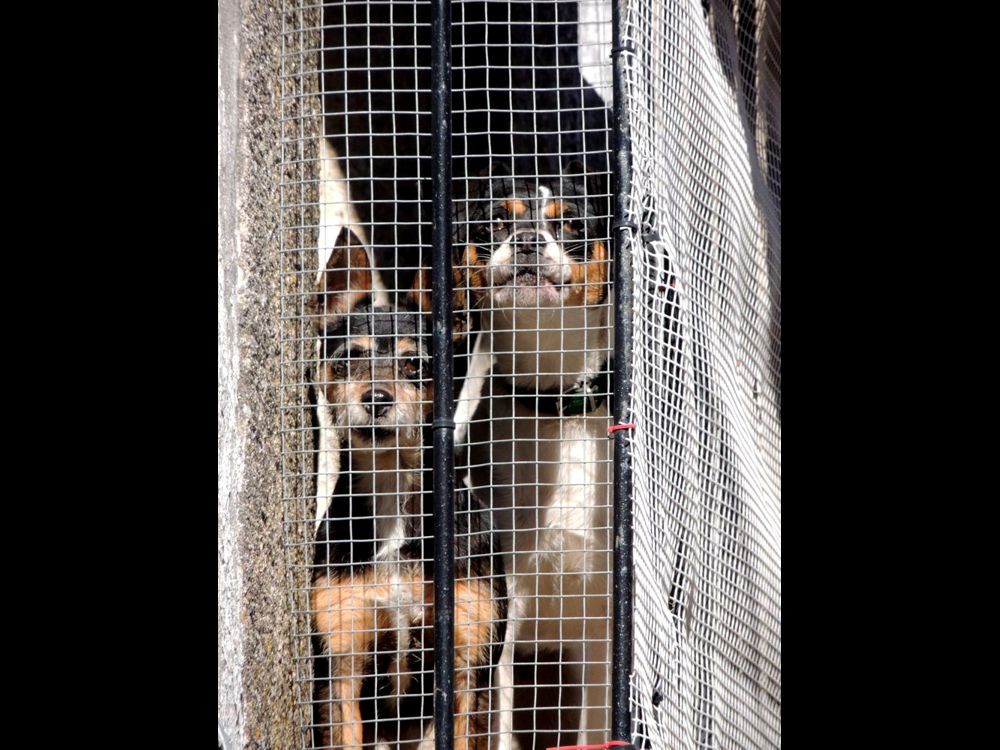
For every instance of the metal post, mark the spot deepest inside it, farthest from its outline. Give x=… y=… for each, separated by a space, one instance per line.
x=621 y=715
x=444 y=424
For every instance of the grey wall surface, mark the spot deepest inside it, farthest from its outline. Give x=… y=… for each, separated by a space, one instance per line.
x=257 y=706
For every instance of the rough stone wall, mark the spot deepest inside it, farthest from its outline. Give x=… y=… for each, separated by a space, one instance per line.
x=257 y=704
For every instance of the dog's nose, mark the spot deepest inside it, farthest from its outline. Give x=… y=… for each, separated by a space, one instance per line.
x=377 y=402
x=530 y=242
x=528 y=250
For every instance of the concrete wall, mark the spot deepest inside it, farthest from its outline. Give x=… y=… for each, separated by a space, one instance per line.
x=257 y=702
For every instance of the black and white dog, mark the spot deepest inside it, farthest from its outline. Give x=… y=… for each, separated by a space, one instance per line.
x=536 y=257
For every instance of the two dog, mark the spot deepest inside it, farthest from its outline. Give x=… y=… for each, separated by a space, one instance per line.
x=533 y=257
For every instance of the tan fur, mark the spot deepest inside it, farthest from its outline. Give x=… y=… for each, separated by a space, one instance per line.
x=407 y=347
x=589 y=278
x=475 y=272
x=420 y=292
x=476 y=615
x=514 y=206
x=465 y=275
x=473 y=268
x=363 y=342
x=554 y=209
x=348 y=279
x=420 y=397
x=347 y=614
x=395 y=468
x=345 y=611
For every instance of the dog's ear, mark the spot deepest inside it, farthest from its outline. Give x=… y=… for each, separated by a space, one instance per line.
x=496 y=178
x=347 y=281
x=589 y=179
x=464 y=278
x=418 y=299
x=497 y=168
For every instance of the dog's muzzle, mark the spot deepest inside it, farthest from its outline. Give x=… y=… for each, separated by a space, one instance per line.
x=377 y=402
x=529 y=265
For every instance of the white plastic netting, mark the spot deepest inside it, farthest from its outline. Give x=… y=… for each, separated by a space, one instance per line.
x=703 y=86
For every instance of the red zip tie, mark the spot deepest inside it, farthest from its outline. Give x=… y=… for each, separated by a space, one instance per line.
x=613 y=743
x=611 y=430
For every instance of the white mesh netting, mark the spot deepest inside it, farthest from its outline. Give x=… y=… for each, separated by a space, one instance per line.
x=703 y=86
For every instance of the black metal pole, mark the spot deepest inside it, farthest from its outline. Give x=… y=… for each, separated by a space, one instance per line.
x=621 y=714
x=444 y=424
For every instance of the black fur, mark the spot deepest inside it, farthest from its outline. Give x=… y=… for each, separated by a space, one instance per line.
x=474 y=216
x=346 y=537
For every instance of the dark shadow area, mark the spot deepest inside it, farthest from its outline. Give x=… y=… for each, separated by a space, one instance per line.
x=376 y=103
x=545 y=687
x=519 y=94
x=519 y=98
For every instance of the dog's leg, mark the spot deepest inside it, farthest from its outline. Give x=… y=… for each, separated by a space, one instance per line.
x=465 y=702
x=465 y=683
x=345 y=620
x=505 y=676
x=476 y=614
x=428 y=741
x=595 y=654
x=472 y=391
x=347 y=730
x=505 y=694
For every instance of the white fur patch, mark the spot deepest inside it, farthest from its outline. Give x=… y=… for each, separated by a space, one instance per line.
x=335 y=212
x=549 y=481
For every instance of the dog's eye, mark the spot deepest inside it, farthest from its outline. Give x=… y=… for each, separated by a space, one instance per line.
x=413 y=368
x=498 y=225
x=481 y=233
x=348 y=358
x=573 y=227
x=353 y=352
x=489 y=232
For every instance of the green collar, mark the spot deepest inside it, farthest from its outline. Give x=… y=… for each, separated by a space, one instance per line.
x=583 y=397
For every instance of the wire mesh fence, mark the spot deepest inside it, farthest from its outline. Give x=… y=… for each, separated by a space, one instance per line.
x=533 y=339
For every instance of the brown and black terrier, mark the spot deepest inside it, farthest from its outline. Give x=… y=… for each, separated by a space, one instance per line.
x=373 y=595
